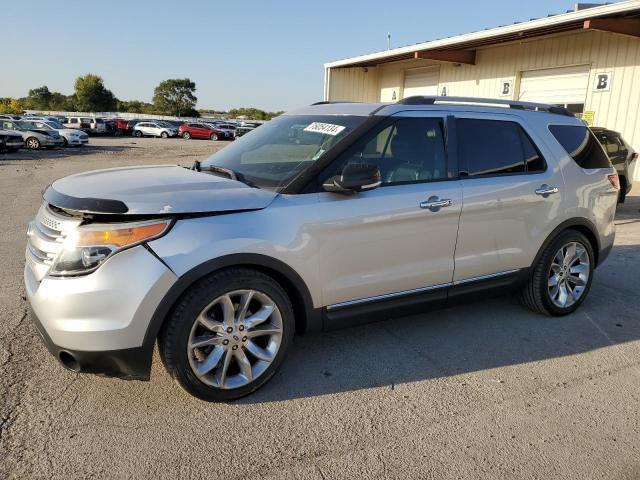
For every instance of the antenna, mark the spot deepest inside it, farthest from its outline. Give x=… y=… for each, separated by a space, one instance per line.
x=388 y=41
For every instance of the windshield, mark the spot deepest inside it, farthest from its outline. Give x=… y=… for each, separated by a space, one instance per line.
x=273 y=154
x=54 y=125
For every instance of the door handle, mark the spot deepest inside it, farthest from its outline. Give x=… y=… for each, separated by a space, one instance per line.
x=434 y=203
x=545 y=190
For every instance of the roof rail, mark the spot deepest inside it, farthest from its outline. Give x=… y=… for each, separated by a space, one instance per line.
x=538 y=107
x=330 y=103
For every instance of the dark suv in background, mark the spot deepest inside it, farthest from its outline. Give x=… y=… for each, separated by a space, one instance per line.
x=621 y=155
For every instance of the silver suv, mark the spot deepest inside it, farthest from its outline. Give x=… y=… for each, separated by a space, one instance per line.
x=328 y=216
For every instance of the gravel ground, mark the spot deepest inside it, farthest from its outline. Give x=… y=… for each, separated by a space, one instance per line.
x=486 y=390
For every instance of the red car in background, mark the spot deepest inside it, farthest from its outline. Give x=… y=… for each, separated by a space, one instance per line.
x=200 y=130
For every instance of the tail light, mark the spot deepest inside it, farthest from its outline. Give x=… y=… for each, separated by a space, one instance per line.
x=634 y=156
x=615 y=181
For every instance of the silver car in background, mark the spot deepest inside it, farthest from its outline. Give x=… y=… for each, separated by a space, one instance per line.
x=33 y=136
x=329 y=216
x=70 y=136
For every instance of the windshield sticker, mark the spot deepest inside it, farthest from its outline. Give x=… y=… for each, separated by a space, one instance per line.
x=325 y=128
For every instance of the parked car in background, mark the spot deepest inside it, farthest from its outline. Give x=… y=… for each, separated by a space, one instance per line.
x=228 y=129
x=88 y=124
x=33 y=136
x=78 y=123
x=70 y=136
x=621 y=154
x=200 y=130
x=245 y=128
x=110 y=125
x=154 y=129
x=174 y=123
x=8 y=116
x=10 y=140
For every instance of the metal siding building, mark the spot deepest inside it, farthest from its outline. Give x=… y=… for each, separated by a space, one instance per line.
x=587 y=60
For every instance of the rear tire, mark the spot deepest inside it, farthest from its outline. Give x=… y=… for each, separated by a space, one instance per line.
x=137 y=133
x=236 y=355
x=559 y=281
x=214 y=137
x=164 y=135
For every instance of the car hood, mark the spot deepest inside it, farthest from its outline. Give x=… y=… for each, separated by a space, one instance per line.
x=153 y=190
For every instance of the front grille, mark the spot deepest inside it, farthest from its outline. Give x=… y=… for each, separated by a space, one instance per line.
x=45 y=239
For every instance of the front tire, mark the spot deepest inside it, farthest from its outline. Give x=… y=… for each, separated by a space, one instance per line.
x=164 y=135
x=561 y=279
x=137 y=133
x=227 y=336
x=214 y=137
x=186 y=135
x=32 y=143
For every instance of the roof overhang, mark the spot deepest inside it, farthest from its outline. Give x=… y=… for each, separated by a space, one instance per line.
x=622 y=18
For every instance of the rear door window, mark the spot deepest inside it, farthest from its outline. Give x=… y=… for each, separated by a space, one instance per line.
x=581 y=145
x=495 y=147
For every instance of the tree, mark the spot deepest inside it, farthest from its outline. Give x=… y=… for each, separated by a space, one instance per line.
x=135 y=106
x=175 y=97
x=39 y=98
x=252 y=113
x=92 y=96
x=10 y=105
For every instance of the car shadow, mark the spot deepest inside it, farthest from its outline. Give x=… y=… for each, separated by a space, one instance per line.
x=463 y=339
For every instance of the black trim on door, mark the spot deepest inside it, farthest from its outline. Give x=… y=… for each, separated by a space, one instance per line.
x=386 y=307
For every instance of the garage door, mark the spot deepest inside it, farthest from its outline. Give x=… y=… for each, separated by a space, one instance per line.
x=565 y=86
x=421 y=81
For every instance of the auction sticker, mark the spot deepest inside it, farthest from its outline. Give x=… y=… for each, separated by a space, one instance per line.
x=325 y=128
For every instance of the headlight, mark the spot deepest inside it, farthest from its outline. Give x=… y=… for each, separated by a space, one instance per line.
x=85 y=249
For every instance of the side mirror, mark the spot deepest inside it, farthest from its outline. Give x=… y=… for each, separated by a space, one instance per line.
x=356 y=177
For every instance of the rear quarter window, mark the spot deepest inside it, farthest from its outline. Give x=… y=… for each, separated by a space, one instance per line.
x=581 y=145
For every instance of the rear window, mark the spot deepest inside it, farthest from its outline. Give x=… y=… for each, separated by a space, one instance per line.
x=581 y=145
x=495 y=147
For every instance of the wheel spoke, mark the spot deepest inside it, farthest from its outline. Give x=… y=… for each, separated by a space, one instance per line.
x=244 y=305
x=205 y=340
x=570 y=254
x=264 y=330
x=259 y=317
x=228 y=310
x=210 y=324
x=563 y=295
x=553 y=280
x=579 y=268
x=576 y=280
x=259 y=352
x=221 y=373
x=244 y=364
x=211 y=361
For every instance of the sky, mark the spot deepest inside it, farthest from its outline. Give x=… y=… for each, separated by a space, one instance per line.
x=241 y=53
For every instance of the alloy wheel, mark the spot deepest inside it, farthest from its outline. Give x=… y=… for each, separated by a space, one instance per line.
x=33 y=143
x=234 y=339
x=569 y=274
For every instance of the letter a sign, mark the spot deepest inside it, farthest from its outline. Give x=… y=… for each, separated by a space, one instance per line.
x=602 y=82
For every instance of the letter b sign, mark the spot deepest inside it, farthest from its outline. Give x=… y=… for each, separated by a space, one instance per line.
x=602 y=82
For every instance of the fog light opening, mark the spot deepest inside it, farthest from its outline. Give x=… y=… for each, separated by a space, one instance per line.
x=69 y=361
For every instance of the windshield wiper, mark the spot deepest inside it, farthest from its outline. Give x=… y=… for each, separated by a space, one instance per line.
x=224 y=172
